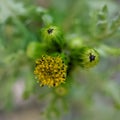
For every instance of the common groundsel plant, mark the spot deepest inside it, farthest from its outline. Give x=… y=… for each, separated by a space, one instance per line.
x=67 y=60
x=52 y=70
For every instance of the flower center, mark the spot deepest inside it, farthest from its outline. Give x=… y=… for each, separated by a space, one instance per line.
x=50 y=71
x=91 y=57
x=50 y=30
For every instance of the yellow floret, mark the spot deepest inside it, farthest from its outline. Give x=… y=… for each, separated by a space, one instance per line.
x=50 y=71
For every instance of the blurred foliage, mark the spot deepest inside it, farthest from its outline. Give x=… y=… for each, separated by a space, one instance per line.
x=93 y=94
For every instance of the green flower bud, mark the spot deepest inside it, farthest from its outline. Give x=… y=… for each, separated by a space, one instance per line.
x=75 y=43
x=85 y=57
x=52 y=35
x=61 y=91
x=35 y=50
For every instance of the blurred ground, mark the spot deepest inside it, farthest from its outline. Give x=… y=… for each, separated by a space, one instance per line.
x=32 y=113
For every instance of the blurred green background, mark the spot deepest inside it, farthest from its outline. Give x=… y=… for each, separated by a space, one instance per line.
x=94 y=94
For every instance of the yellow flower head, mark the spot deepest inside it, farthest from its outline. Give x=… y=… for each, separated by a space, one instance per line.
x=50 y=71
